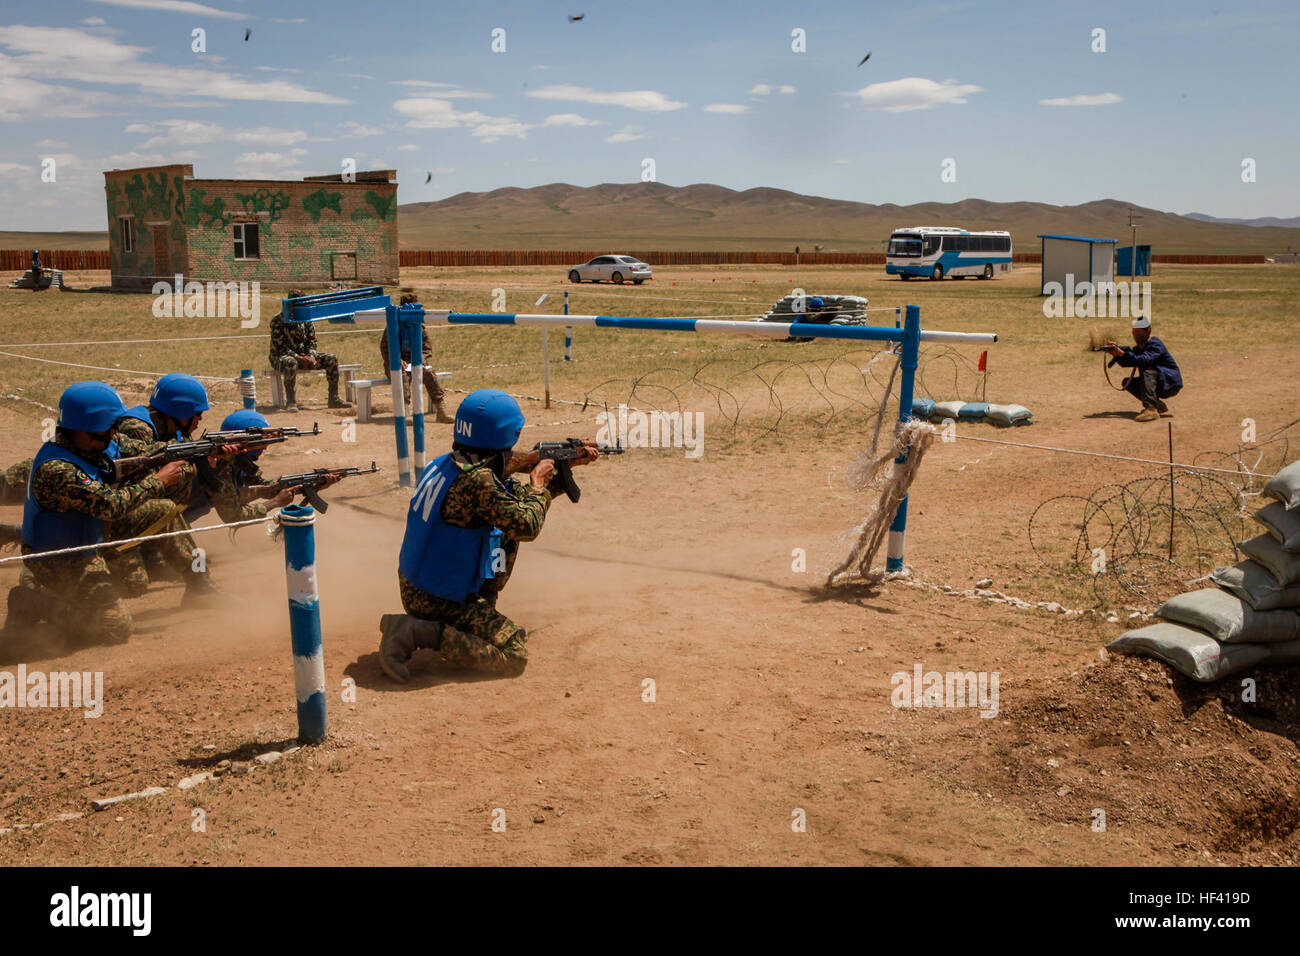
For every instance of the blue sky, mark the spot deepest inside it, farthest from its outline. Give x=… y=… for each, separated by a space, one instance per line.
x=711 y=91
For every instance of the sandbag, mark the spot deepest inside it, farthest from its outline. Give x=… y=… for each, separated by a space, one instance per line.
x=973 y=411
x=922 y=407
x=1255 y=585
x=1284 y=565
x=1287 y=652
x=1282 y=524
x=1229 y=619
x=1189 y=651
x=943 y=410
x=1285 y=486
x=1007 y=415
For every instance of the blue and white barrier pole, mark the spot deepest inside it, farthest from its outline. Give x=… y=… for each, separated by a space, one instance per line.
x=248 y=387
x=911 y=350
x=304 y=620
x=568 y=332
x=412 y=323
x=399 y=402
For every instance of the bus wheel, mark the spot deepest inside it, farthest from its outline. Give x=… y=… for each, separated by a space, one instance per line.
x=988 y=271
x=938 y=273
x=904 y=276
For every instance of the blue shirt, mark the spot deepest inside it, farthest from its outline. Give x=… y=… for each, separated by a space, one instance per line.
x=1153 y=355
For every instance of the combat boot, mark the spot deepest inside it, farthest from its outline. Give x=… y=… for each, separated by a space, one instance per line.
x=400 y=636
x=442 y=417
x=291 y=395
x=27 y=607
x=200 y=592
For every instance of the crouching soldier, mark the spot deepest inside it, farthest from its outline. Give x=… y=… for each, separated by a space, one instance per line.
x=238 y=480
x=68 y=500
x=463 y=529
x=1157 y=375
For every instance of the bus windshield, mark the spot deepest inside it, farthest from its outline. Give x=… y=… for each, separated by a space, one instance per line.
x=905 y=246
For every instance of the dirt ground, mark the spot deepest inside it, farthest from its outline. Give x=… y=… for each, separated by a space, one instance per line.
x=771 y=698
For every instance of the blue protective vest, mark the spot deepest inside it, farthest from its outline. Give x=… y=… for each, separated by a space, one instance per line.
x=443 y=559
x=45 y=530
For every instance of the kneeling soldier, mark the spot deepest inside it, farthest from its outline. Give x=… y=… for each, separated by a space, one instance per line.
x=463 y=529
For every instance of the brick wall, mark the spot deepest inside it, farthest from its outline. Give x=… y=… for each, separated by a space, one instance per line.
x=299 y=225
x=153 y=200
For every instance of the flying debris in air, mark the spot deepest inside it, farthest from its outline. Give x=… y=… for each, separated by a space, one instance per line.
x=865 y=58
x=577 y=18
x=428 y=179
x=247 y=33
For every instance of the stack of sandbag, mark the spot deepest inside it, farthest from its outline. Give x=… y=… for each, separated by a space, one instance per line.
x=50 y=279
x=1004 y=416
x=819 y=310
x=1253 y=616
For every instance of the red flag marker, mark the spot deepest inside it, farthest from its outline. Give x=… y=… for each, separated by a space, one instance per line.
x=984 y=361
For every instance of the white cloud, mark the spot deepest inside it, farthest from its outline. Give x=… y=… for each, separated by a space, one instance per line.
x=353 y=128
x=288 y=19
x=786 y=89
x=913 y=93
x=841 y=162
x=568 y=119
x=94 y=21
x=51 y=143
x=726 y=108
x=408 y=147
x=198 y=133
x=132 y=158
x=279 y=69
x=1084 y=99
x=626 y=135
x=16 y=168
x=761 y=89
x=646 y=100
x=539 y=66
x=176 y=6
x=66 y=55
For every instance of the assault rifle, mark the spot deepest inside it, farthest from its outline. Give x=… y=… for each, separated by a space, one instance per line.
x=307 y=483
x=563 y=452
x=245 y=439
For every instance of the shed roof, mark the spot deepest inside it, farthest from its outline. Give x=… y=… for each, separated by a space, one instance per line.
x=1050 y=235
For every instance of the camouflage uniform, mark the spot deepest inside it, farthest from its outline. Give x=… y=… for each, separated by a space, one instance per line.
x=431 y=383
x=225 y=498
x=85 y=605
x=13 y=482
x=288 y=341
x=480 y=636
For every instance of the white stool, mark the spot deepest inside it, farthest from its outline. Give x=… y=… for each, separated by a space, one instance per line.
x=360 y=393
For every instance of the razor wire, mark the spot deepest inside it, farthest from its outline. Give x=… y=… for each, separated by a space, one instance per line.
x=1155 y=536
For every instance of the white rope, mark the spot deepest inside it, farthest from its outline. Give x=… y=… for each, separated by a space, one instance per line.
x=149 y=537
x=102 y=368
x=195 y=338
x=1097 y=454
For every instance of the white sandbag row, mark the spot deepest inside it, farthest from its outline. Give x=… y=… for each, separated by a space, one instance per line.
x=1253 y=617
x=1004 y=416
x=835 y=309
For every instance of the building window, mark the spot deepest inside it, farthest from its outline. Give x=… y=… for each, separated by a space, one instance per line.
x=246 y=246
x=128 y=234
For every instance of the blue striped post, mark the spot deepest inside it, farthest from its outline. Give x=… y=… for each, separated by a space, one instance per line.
x=248 y=387
x=911 y=350
x=304 y=620
x=399 y=402
x=568 y=332
x=412 y=322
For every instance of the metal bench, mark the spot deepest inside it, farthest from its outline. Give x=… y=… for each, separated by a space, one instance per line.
x=359 y=393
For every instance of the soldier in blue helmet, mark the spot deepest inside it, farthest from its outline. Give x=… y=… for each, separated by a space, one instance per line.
x=175 y=408
x=239 y=483
x=463 y=529
x=67 y=502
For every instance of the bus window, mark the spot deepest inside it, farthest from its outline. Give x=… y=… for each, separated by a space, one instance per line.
x=904 y=246
x=931 y=245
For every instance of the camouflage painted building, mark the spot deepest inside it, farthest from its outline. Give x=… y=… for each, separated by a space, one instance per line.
x=162 y=221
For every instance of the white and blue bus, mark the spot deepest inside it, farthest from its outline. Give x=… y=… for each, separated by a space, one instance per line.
x=940 y=251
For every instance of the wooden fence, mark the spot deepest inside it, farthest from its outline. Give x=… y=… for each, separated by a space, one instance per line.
x=18 y=260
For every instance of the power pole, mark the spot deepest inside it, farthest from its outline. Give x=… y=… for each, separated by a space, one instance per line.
x=1133 y=262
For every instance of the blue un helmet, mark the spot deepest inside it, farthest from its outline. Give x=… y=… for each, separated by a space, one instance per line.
x=90 y=407
x=246 y=418
x=490 y=419
x=816 y=302
x=180 y=396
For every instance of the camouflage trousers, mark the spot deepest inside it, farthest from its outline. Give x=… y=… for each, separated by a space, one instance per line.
x=13 y=482
x=287 y=365
x=78 y=598
x=129 y=568
x=479 y=636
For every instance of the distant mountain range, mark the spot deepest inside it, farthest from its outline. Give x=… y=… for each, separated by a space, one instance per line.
x=1292 y=223
x=627 y=217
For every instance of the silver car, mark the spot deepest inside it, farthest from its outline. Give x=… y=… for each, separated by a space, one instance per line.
x=616 y=269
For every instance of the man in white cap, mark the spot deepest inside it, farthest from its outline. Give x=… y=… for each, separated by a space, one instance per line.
x=1157 y=375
